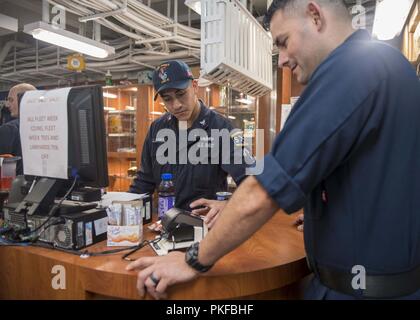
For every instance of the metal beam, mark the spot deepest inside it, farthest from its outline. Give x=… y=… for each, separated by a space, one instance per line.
x=8 y=23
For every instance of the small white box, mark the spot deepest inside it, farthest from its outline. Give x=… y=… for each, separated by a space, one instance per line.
x=126 y=223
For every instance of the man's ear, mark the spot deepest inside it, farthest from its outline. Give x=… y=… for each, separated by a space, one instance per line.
x=314 y=11
x=195 y=85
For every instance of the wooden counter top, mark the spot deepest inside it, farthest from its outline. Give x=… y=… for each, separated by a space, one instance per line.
x=272 y=259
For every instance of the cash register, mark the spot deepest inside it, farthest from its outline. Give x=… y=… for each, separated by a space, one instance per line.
x=180 y=230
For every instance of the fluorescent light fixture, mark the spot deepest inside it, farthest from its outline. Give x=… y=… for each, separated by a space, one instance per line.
x=110 y=95
x=109 y=109
x=194 y=5
x=232 y=117
x=158 y=113
x=390 y=17
x=69 y=40
x=130 y=108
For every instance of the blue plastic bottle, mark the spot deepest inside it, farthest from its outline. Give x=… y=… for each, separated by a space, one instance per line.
x=166 y=194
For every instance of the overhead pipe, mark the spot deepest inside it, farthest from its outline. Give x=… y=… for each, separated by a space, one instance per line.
x=124 y=62
x=9 y=45
x=139 y=17
x=123 y=9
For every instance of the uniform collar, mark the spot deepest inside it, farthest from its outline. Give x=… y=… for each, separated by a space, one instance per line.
x=202 y=121
x=359 y=35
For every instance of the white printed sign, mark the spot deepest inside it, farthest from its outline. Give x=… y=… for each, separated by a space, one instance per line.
x=44 y=133
x=101 y=225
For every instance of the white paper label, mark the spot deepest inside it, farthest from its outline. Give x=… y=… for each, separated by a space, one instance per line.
x=88 y=233
x=44 y=133
x=101 y=225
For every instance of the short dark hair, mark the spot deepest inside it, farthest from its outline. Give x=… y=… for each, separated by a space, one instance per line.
x=275 y=5
x=281 y=4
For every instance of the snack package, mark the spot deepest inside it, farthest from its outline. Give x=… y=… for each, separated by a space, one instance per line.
x=114 y=212
x=132 y=215
x=126 y=223
x=124 y=236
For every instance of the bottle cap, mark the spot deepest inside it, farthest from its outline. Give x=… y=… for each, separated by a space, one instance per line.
x=167 y=176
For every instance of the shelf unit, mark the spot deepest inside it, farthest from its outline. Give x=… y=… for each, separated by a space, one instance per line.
x=126 y=129
x=411 y=35
x=127 y=119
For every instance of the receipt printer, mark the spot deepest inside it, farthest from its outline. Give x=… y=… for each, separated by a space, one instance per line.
x=180 y=230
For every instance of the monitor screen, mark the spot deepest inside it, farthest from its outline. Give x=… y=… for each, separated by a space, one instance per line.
x=87 y=139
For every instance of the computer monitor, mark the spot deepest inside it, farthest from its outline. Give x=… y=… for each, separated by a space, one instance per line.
x=87 y=137
x=87 y=157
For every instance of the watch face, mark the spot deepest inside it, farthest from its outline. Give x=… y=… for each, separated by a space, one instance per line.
x=191 y=257
x=191 y=253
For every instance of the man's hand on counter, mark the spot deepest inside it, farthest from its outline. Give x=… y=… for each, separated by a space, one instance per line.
x=211 y=209
x=167 y=270
x=247 y=211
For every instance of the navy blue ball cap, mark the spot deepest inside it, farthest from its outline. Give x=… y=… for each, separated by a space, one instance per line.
x=174 y=74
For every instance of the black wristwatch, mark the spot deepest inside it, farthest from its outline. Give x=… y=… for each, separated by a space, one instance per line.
x=191 y=258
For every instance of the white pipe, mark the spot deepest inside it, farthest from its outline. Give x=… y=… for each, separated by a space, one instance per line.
x=149 y=12
x=174 y=55
x=155 y=40
x=114 y=63
x=9 y=45
x=49 y=59
x=146 y=25
x=179 y=39
x=142 y=15
x=142 y=64
x=110 y=4
x=102 y=15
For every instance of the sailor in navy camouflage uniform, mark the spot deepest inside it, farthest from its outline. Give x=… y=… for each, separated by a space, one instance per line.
x=173 y=80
